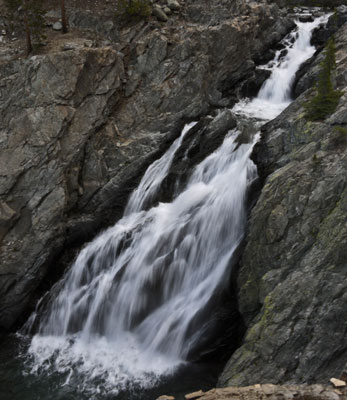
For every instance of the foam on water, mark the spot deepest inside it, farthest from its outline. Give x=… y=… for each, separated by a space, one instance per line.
x=99 y=365
x=137 y=300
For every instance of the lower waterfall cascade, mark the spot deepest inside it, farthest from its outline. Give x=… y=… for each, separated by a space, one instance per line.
x=133 y=323
x=137 y=300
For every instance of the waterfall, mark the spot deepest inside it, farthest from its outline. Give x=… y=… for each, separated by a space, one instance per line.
x=132 y=305
x=275 y=94
x=154 y=176
x=137 y=299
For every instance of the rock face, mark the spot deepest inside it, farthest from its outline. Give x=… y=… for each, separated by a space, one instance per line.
x=79 y=127
x=292 y=282
x=50 y=107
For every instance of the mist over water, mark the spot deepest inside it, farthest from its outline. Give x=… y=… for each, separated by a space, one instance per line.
x=136 y=303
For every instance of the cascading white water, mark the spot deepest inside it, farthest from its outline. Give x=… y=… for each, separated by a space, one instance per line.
x=154 y=176
x=135 y=301
x=274 y=95
x=130 y=305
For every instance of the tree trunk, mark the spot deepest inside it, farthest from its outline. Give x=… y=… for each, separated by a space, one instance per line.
x=29 y=47
x=63 y=16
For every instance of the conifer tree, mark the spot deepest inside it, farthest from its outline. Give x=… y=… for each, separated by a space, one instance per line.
x=36 y=16
x=326 y=99
x=133 y=8
x=29 y=47
x=12 y=7
x=27 y=16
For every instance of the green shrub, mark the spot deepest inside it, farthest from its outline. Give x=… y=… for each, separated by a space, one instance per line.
x=340 y=138
x=133 y=8
x=326 y=99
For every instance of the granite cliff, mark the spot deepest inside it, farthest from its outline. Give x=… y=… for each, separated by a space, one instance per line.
x=80 y=123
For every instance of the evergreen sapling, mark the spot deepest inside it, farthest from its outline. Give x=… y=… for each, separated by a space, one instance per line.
x=326 y=99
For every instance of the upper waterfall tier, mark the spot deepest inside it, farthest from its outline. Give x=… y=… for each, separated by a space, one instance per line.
x=275 y=94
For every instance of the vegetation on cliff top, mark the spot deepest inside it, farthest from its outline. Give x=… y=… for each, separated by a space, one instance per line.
x=29 y=16
x=133 y=8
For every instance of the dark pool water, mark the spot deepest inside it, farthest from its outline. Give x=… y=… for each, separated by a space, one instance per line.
x=16 y=383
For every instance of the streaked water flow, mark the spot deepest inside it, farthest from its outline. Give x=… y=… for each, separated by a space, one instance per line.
x=132 y=305
x=275 y=94
x=154 y=176
x=135 y=303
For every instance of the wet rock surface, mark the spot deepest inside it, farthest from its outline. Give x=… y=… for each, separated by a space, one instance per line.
x=292 y=282
x=79 y=127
